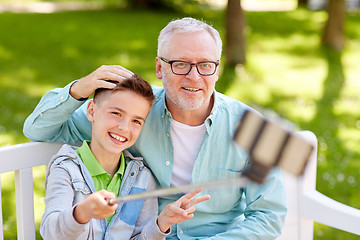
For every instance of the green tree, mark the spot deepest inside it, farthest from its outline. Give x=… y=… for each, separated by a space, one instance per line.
x=186 y=6
x=303 y=2
x=333 y=35
x=235 y=43
x=235 y=38
x=148 y=4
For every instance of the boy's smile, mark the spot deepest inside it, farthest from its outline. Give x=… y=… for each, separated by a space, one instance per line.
x=117 y=119
x=117 y=137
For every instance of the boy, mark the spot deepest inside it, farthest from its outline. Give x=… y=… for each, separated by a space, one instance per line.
x=80 y=181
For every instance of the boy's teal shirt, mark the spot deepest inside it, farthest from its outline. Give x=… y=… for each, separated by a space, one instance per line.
x=256 y=211
x=101 y=179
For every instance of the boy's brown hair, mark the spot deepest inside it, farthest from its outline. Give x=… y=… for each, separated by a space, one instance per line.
x=135 y=83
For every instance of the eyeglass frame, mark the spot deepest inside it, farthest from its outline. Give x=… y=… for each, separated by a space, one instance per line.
x=217 y=62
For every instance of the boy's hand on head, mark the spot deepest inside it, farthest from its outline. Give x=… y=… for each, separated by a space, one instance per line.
x=97 y=79
x=180 y=210
x=95 y=206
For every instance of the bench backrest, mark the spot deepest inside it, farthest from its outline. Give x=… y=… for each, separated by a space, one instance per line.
x=21 y=159
x=306 y=204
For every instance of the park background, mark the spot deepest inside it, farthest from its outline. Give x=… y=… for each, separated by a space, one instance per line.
x=287 y=70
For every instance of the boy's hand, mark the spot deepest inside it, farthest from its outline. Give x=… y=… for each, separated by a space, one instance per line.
x=87 y=85
x=95 y=206
x=180 y=210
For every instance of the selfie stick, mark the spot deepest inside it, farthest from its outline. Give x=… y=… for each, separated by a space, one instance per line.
x=268 y=143
x=234 y=182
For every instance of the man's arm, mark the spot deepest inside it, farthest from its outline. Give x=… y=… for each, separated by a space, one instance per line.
x=60 y=115
x=264 y=213
x=54 y=119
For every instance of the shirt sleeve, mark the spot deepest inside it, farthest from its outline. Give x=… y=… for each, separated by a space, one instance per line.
x=58 y=117
x=264 y=213
x=58 y=221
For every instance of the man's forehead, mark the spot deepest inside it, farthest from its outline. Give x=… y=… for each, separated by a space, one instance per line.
x=183 y=45
x=190 y=34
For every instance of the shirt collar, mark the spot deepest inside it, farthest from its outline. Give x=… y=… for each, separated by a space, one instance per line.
x=92 y=164
x=165 y=111
x=210 y=119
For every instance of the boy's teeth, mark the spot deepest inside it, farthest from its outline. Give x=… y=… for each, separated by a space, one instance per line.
x=121 y=139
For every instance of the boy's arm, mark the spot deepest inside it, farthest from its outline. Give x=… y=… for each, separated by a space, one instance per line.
x=149 y=226
x=57 y=221
x=179 y=211
x=95 y=206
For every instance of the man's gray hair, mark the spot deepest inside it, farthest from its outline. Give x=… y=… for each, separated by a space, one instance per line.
x=185 y=25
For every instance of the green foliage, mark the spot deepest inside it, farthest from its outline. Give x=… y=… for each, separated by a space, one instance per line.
x=286 y=71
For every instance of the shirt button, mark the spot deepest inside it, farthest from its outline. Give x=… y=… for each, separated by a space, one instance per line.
x=167 y=163
x=62 y=98
x=41 y=114
x=181 y=232
x=167 y=134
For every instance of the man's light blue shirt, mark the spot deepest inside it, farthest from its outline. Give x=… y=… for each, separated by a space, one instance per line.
x=253 y=212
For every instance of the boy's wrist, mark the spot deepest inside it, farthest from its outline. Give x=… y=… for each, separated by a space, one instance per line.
x=163 y=225
x=79 y=214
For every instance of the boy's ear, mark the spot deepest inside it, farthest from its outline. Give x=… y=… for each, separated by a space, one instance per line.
x=90 y=110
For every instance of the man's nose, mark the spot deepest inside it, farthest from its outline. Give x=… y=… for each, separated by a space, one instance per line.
x=193 y=74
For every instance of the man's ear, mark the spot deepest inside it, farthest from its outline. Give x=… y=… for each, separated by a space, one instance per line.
x=90 y=110
x=158 y=68
x=217 y=74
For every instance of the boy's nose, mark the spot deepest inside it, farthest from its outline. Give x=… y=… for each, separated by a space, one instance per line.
x=123 y=125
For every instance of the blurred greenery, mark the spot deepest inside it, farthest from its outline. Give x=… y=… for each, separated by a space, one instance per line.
x=287 y=71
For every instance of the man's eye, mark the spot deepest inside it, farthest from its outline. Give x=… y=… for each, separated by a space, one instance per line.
x=205 y=65
x=180 y=64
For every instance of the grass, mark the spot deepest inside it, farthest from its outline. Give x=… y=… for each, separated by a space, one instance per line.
x=287 y=72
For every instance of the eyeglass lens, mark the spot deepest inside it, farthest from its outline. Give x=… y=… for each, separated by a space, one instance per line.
x=203 y=68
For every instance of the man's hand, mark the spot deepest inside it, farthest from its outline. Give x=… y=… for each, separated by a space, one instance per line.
x=180 y=210
x=95 y=206
x=87 y=85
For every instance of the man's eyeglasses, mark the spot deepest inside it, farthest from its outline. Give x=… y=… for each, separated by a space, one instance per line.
x=179 y=67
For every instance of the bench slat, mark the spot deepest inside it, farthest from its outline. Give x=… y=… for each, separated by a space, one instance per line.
x=24 y=204
x=26 y=155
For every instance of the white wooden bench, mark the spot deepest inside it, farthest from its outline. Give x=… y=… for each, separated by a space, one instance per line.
x=21 y=159
x=305 y=204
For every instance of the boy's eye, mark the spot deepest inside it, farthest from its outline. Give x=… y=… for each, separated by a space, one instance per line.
x=116 y=113
x=138 y=122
